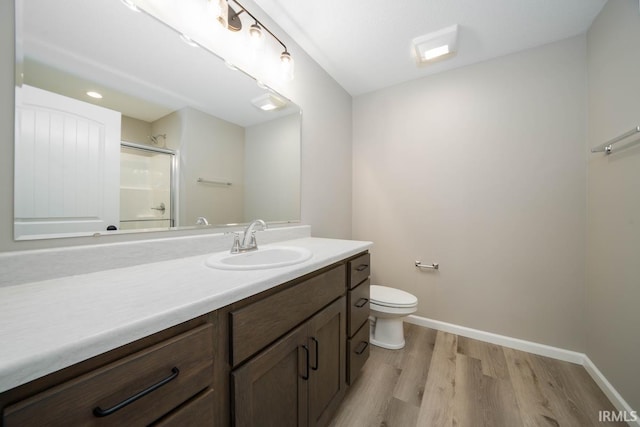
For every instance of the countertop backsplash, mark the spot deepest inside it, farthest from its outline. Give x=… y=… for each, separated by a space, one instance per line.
x=36 y=265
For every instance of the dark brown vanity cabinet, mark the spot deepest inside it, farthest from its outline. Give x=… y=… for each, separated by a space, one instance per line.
x=165 y=379
x=298 y=380
x=288 y=353
x=283 y=357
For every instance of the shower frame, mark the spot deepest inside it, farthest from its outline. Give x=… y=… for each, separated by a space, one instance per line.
x=173 y=188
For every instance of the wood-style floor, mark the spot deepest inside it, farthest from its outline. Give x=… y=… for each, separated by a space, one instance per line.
x=441 y=379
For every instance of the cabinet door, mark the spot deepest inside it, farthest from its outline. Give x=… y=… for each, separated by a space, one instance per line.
x=327 y=383
x=271 y=389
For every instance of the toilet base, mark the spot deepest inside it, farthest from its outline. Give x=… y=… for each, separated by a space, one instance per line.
x=387 y=333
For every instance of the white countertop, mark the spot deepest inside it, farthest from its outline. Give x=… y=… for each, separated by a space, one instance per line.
x=49 y=325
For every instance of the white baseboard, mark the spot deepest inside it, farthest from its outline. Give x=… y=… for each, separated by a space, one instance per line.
x=518 y=344
x=608 y=390
x=531 y=347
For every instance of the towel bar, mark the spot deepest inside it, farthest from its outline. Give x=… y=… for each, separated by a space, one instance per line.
x=433 y=266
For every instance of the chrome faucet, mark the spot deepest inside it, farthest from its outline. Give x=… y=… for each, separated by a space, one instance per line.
x=249 y=239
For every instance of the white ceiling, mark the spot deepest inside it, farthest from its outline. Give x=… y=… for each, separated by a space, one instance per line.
x=366 y=45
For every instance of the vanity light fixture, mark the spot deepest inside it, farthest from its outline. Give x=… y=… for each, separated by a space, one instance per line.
x=94 y=94
x=435 y=45
x=230 y=19
x=269 y=102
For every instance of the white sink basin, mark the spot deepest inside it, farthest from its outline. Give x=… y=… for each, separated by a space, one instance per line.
x=263 y=258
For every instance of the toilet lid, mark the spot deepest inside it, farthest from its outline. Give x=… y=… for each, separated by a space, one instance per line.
x=391 y=297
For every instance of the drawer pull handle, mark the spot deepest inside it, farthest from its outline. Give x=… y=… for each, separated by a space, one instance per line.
x=317 y=345
x=362 y=267
x=361 y=302
x=306 y=375
x=361 y=347
x=99 y=412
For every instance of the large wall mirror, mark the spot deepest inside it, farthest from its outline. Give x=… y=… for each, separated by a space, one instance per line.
x=177 y=139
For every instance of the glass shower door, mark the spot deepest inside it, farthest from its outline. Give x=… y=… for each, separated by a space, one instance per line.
x=146 y=187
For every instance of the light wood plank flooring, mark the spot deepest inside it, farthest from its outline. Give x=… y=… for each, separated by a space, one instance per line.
x=441 y=379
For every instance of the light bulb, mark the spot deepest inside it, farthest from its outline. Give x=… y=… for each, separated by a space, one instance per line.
x=286 y=59
x=214 y=6
x=221 y=9
x=255 y=35
x=286 y=62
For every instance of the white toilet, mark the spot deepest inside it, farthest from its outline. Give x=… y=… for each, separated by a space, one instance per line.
x=388 y=307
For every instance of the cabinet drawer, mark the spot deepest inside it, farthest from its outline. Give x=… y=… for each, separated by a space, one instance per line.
x=179 y=368
x=359 y=269
x=197 y=412
x=358 y=352
x=257 y=325
x=358 y=303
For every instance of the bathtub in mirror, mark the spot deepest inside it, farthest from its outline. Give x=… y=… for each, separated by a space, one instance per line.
x=207 y=149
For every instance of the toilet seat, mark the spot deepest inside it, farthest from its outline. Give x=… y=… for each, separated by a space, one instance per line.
x=391 y=297
x=389 y=306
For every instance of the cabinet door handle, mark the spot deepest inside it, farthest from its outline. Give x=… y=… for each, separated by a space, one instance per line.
x=361 y=347
x=362 y=267
x=99 y=412
x=317 y=345
x=306 y=375
x=361 y=302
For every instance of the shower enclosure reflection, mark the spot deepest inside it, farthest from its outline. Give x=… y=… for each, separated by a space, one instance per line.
x=146 y=187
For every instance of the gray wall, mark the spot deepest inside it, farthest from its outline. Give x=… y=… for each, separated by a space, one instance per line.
x=481 y=169
x=613 y=274
x=272 y=169
x=326 y=144
x=6 y=122
x=208 y=144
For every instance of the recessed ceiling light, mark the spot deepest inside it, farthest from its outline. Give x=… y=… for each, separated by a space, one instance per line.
x=95 y=95
x=269 y=102
x=435 y=45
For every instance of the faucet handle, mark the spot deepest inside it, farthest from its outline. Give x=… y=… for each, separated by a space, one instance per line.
x=252 y=240
x=235 y=248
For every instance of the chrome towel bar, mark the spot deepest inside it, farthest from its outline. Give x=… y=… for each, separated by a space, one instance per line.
x=606 y=146
x=209 y=181
x=433 y=266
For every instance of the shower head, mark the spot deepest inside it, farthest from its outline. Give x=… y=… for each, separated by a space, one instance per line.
x=154 y=138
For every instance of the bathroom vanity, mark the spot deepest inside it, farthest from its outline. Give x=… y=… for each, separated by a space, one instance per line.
x=280 y=346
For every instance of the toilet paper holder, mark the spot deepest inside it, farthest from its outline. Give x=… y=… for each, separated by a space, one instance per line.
x=434 y=266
